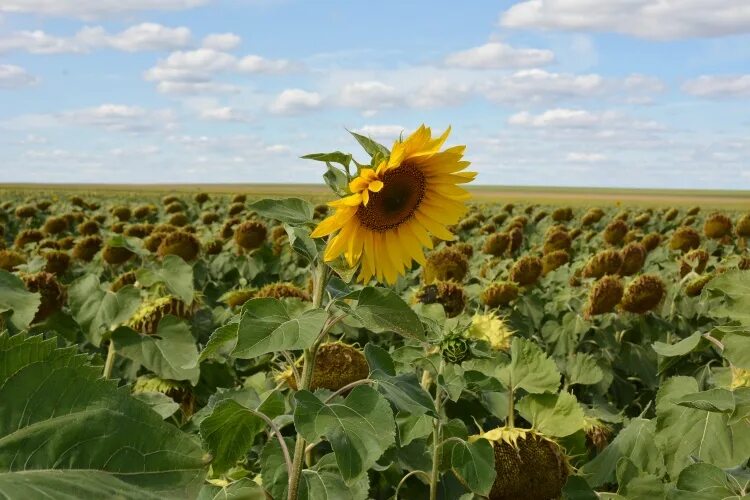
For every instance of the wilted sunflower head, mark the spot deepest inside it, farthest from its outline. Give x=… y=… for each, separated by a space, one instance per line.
x=446 y=293
x=633 y=258
x=86 y=248
x=52 y=293
x=592 y=216
x=684 y=239
x=9 y=259
x=336 y=365
x=643 y=294
x=602 y=263
x=496 y=244
x=499 y=294
x=445 y=264
x=597 y=433
x=57 y=262
x=604 y=296
x=28 y=236
x=717 y=226
x=742 y=229
x=250 y=234
x=386 y=221
x=615 y=232
x=282 y=291
x=493 y=329
x=553 y=260
x=526 y=270
x=236 y=298
x=695 y=286
x=147 y=318
x=180 y=243
x=529 y=465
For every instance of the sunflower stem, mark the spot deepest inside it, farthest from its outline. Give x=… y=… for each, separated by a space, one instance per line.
x=437 y=429
x=110 y=361
x=320 y=276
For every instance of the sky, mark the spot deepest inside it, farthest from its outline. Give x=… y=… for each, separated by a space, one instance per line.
x=599 y=93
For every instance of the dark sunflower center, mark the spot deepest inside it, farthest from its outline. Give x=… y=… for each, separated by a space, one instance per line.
x=403 y=191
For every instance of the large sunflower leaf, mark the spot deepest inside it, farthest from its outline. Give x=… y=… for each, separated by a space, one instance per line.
x=381 y=310
x=69 y=485
x=530 y=368
x=59 y=417
x=230 y=429
x=635 y=442
x=360 y=428
x=294 y=211
x=474 y=463
x=170 y=353
x=175 y=273
x=687 y=433
x=556 y=415
x=97 y=310
x=267 y=326
x=15 y=298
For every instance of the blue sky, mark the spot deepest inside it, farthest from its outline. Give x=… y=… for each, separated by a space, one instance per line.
x=631 y=93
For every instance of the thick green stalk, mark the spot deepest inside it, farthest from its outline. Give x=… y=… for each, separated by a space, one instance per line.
x=110 y=361
x=320 y=275
x=437 y=431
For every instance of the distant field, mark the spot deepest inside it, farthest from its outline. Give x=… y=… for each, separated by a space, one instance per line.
x=549 y=195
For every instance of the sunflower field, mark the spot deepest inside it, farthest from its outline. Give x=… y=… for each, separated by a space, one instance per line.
x=398 y=341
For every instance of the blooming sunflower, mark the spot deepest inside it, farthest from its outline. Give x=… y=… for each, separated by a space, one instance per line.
x=386 y=221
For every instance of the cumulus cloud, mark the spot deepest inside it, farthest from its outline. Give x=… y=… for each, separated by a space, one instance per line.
x=223 y=114
x=194 y=71
x=577 y=157
x=138 y=38
x=120 y=118
x=720 y=86
x=93 y=9
x=662 y=20
x=12 y=77
x=221 y=41
x=497 y=55
x=294 y=101
x=563 y=118
x=381 y=133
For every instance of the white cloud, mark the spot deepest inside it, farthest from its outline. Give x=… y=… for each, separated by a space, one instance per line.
x=223 y=114
x=369 y=95
x=498 y=55
x=138 y=38
x=12 y=77
x=120 y=118
x=585 y=157
x=381 y=133
x=719 y=86
x=563 y=118
x=293 y=101
x=194 y=71
x=659 y=20
x=277 y=148
x=221 y=41
x=92 y=9
x=537 y=85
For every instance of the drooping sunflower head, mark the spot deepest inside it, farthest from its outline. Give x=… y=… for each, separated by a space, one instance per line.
x=386 y=221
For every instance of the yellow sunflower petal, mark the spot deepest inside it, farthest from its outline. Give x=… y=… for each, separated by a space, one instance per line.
x=365 y=197
x=434 y=227
x=349 y=201
x=375 y=186
x=334 y=222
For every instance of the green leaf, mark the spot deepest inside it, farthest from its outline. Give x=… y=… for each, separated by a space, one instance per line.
x=14 y=297
x=634 y=483
x=335 y=157
x=292 y=211
x=706 y=482
x=381 y=310
x=170 y=353
x=360 y=428
x=411 y=427
x=636 y=441
x=686 y=433
x=160 y=403
x=98 y=310
x=222 y=341
x=557 y=415
x=273 y=470
x=267 y=326
x=530 y=369
x=733 y=287
x=453 y=381
x=714 y=400
x=337 y=180
x=69 y=485
x=230 y=429
x=175 y=273
x=404 y=391
x=371 y=147
x=59 y=415
x=583 y=369
x=243 y=489
x=737 y=350
x=299 y=239
x=474 y=464
x=681 y=348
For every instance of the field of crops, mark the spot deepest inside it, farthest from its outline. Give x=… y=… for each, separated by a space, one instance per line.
x=160 y=346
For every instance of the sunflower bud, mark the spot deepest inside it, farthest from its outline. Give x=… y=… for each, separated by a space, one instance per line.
x=491 y=328
x=454 y=348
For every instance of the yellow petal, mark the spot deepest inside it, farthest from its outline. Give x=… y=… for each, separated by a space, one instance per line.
x=334 y=222
x=376 y=186
x=434 y=227
x=365 y=197
x=421 y=233
x=349 y=201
